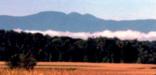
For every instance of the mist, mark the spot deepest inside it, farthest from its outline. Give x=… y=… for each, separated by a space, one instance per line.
x=122 y=35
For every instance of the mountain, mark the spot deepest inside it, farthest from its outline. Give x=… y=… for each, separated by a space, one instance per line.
x=74 y=22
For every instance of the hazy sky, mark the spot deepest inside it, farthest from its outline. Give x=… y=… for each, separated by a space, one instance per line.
x=106 y=9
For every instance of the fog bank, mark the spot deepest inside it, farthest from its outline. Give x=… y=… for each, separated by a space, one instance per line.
x=122 y=35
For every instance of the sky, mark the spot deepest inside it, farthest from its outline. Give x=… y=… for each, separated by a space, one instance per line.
x=106 y=9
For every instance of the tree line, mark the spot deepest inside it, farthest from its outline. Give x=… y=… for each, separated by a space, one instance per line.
x=45 y=48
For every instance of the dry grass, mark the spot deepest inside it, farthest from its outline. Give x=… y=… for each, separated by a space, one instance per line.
x=64 y=68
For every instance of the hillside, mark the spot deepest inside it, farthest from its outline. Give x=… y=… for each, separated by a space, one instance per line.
x=101 y=49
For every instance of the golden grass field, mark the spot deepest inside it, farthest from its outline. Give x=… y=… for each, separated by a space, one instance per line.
x=78 y=68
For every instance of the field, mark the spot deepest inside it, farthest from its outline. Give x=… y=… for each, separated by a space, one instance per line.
x=77 y=68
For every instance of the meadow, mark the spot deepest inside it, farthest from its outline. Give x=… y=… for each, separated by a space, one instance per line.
x=78 y=68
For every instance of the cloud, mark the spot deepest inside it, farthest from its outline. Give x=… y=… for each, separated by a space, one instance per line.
x=122 y=35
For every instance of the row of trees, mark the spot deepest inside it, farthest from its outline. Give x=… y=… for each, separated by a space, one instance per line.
x=46 y=48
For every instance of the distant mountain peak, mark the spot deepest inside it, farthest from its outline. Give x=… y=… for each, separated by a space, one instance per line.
x=50 y=13
x=73 y=21
x=89 y=15
x=75 y=14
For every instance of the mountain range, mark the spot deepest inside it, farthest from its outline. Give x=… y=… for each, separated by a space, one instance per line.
x=73 y=22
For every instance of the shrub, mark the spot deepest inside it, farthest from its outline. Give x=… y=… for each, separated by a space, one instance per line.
x=25 y=61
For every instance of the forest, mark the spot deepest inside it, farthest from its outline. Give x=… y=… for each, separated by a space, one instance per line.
x=101 y=49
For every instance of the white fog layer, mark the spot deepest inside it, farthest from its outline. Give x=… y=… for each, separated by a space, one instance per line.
x=122 y=35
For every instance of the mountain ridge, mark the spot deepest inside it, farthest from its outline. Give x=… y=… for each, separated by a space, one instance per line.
x=74 y=22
